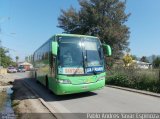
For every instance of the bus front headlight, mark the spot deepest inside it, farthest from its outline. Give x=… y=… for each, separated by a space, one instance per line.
x=64 y=81
x=101 y=78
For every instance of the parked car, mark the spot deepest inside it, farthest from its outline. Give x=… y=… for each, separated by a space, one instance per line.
x=21 y=69
x=11 y=70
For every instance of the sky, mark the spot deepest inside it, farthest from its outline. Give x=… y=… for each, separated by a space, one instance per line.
x=27 y=24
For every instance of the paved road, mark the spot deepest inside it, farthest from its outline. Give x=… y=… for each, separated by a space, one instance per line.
x=105 y=100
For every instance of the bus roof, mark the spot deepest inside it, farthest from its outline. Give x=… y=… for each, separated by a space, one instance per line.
x=75 y=35
x=71 y=35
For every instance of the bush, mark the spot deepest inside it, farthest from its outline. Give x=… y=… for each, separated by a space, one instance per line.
x=120 y=80
x=134 y=78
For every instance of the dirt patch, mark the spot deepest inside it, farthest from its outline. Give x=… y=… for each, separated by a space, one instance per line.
x=3 y=83
x=6 y=80
x=26 y=104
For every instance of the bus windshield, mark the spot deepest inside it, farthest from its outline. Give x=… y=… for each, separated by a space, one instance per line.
x=79 y=55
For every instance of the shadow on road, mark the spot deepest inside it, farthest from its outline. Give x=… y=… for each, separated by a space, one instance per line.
x=20 y=91
x=47 y=95
x=74 y=96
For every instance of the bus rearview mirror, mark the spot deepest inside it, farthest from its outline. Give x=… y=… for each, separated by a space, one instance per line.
x=54 y=48
x=107 y=49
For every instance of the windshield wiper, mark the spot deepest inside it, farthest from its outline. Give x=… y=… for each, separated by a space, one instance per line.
x=86 y=56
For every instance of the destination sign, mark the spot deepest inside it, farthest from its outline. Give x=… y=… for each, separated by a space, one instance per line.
x=91 y=69
x=69 y=70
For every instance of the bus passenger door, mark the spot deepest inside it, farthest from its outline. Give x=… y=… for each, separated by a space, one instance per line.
x=52 y=81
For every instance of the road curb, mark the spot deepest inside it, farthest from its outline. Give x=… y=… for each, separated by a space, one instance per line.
x=135 y=91
x=53 y=112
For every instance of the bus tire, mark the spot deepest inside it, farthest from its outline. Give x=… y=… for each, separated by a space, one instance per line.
x=36 y=77
x=47 y=82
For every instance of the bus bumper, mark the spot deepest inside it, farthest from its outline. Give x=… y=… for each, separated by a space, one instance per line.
x=71 y=89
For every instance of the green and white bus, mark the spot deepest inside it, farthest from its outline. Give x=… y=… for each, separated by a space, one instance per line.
x=69 y=63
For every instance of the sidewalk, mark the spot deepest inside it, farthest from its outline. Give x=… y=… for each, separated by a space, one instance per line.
x=24 y=103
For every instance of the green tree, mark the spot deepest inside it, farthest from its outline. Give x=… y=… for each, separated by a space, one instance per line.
x=134 y=57
x=153 y=57
x=156 y=62
x=4 y=59
x=17 y=58
x=144 y=59
x=127 y=59
x=103 y=18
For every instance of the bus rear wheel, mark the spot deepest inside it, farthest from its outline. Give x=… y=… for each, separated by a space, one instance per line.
x=47 y=82
x=36 y=77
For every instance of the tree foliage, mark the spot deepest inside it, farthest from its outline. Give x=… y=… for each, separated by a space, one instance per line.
x=156 y=62
x=134 y=57
x=4 y=59
x=127 y=59
x=17 y=58
x=144 y=59
x=103 y=18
